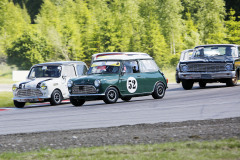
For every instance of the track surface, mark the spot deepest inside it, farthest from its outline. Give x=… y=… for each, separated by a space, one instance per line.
x=214 y=102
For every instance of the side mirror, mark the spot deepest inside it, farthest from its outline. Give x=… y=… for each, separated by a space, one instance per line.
x=64 y=76
x=123 y=72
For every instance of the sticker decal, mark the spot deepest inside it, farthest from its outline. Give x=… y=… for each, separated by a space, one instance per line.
x=132 y=84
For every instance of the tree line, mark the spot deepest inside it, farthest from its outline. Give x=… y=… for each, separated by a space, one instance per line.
x=76 y=29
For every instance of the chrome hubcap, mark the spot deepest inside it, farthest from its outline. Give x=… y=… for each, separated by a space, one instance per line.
x=112 y=95
x=160 y=90
x=57 y=97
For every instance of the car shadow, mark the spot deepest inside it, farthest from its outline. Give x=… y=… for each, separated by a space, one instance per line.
x=196 y=87
x=209 y=86
x=39 y=105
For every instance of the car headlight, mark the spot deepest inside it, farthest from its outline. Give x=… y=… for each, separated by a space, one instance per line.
x=97 y=83
x=14 y=87
x=184 y=68
x=43 y=86
x=70 y=83
x=229 y=67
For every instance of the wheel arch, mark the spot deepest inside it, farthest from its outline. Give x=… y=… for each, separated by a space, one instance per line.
x=113 y=87
x=157 y=83
x=59 y=91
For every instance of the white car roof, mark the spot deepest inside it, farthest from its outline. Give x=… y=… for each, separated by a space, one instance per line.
x=60 y=63
x=120 y=56
x=231 y=45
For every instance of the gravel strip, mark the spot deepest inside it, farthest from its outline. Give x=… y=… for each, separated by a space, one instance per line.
x=130 y=134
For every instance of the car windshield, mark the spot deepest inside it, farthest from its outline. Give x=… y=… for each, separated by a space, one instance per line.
x=214 y=51
x=45 y=71
x=104 y=67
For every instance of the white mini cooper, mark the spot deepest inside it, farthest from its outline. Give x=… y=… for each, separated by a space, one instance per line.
x=47 y=82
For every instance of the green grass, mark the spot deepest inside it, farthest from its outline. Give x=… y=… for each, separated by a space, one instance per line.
x=221 y=149
x=6 y=74
x=170 y=74
x=6 y=99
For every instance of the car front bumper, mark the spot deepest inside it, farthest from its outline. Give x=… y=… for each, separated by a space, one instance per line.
x=30 y=99
x=85 y=95
x=207 y=75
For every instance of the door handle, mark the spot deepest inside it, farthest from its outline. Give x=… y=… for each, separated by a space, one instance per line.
x=121 y=79
x=138 y=76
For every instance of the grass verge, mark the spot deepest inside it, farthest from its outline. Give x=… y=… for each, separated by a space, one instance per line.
x=221 y=149
x=6 y=99
x=170 y=74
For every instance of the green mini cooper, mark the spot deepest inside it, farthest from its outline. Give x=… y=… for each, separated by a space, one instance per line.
x=118 y=75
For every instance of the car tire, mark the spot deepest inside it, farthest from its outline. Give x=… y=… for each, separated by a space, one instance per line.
x=159 y=91
x=187 y=84
x=77 y=102
x=232 y=82
x=111 y=95
x=177 y=78
x=202 y=84
x=19 y=104
x=126 y=98
x=56 y=97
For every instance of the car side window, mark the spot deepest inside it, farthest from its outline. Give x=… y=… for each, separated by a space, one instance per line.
x=81 y=70
x=131 y=67
x=148 y=66
x=69 y=71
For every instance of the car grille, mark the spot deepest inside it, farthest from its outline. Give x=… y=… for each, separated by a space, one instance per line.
x=206 y=67
x=29 y=93
x=84 y=89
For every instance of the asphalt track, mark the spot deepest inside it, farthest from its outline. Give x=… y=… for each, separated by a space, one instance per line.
x=216 y=101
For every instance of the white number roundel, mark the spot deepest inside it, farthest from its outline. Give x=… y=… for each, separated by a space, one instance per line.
x=132 y=84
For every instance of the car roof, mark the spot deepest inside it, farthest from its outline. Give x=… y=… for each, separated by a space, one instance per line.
x=60 y=63
x=187 y=50
x=120 y=56
x=232 y=45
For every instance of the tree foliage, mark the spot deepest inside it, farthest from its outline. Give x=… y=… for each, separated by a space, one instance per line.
x=76 y=29
x=233 y=28
x=29 y=49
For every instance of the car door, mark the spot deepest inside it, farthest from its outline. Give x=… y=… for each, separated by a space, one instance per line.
x=68 y=72
x=130 y=80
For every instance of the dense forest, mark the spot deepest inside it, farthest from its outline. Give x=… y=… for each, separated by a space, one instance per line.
x=35 y=31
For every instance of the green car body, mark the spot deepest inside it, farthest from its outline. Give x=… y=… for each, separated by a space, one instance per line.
x=118 y=75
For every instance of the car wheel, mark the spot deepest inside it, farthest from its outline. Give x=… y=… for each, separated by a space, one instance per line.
x=177 y=78
x=159 y=91
x=111 y=95
x=77 y=102
x=187 y=84
x=19 y=104
x=56 y=97
x=126 y=98
x=202 y=84
x=232 y=81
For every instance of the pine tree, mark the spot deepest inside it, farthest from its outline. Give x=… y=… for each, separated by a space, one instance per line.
x=208 y=15
x=169 y=12
x=153 y=40
x=191 y=37
x=233 y=28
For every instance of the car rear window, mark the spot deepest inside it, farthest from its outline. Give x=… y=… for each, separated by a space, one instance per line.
x=148 y=66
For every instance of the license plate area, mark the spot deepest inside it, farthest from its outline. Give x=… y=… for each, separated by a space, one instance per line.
x=81 y=88
x=31 y=100
x=206 y=76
